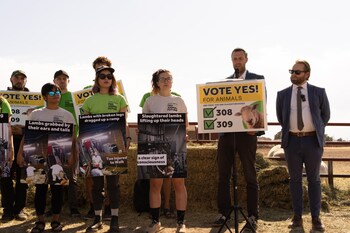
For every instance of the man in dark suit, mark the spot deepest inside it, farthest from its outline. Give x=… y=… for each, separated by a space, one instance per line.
x=303 y=130
x=245 y=144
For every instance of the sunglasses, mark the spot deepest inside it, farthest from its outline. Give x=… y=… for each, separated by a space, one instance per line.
x=105 y=76
x=52 y=93
x=297 y=72
x=163 y=80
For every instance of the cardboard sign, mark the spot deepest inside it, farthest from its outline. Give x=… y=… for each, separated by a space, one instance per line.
x=231 y=106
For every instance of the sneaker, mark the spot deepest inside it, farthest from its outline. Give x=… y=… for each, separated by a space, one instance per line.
x=181 y=228
x=153 y=227
x=6 y=217
x=250 y=226
x=90 y=214
x=296 y=223
x=317 y=224
x=96 y=225
x=21 y=216
x=219 y=221
x=75 y=213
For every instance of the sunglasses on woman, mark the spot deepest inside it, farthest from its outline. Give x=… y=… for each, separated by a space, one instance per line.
x=52 y=93
x=105 y=76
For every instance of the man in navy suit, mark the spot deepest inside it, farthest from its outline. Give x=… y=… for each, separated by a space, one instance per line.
x=245 y=144
x=303 y=139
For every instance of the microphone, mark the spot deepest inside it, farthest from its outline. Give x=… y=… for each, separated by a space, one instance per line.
x=302 y=96
x=236 y=74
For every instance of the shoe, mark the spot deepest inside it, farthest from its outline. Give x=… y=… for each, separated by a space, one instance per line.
x=38 y=227
x=96 y=225
x=107 y=213
x=317 y=224
x=21 y=216
x=6 y=217
x=114 y=226
x=56 y=226
x=153 y=227
x=219 y=221
x=181 y=228
x=250 y=226
x=296 y=223
x=90 y=214
x=75 y=213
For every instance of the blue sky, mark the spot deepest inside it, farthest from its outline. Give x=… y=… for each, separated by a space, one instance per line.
x=192 y=38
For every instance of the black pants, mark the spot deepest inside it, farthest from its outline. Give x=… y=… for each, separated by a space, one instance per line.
x=245 y=145
x=113 y=190
x=7 y=194
x=40 y=198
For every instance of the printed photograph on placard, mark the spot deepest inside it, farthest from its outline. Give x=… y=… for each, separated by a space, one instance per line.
x=47 y=149
x=5 y=164
x=102 y=144
x=161 y=151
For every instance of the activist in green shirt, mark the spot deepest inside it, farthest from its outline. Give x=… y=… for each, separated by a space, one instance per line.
x=61 y=79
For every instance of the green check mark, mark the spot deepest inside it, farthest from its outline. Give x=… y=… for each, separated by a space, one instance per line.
x=208 y=112
x=209 y=124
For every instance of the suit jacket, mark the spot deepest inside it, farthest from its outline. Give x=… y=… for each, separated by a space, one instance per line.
x=319 y=107
x=250 y=76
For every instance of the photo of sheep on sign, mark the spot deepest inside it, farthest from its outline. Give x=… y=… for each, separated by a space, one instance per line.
x=252 y=117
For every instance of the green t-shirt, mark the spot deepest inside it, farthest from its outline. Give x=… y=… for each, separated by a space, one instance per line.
x=5 y=107
x=103 y=103
x=148 y=94
x=66 y=103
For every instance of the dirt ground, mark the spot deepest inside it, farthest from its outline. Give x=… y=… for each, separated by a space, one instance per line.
x=272 y=221
x=198 y=220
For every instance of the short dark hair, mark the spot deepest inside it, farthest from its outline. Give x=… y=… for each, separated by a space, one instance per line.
x=49 y=87
x=240 y=50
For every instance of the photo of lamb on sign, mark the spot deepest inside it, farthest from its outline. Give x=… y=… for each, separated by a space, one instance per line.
x=252 y=118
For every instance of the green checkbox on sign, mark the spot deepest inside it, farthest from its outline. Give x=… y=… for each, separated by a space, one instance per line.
x=208 y=112
x=209 y=124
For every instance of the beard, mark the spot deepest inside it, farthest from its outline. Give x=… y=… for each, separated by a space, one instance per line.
x=297 y=81
x=17 y=87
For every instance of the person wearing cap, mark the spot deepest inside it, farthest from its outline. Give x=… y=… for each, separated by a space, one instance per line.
x=16 y=195
x=61 y=78
x=98 y=62
x=106 y=99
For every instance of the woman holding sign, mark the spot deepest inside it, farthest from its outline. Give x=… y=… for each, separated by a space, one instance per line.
x=165 y=102
x=106 y=99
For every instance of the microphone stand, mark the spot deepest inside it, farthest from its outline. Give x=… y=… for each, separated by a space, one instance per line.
x=235 y=208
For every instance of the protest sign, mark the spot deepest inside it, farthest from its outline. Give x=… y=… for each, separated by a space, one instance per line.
x=46 y=151
x=102 y=144
x=232 y=106
x=22 y=103
x=162 y=145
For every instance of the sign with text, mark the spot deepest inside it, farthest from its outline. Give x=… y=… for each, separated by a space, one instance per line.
x=47 y=150
x=102 y=144
x=231 y=106
x=161 y=145
x=5 y=160
x=22 y=103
